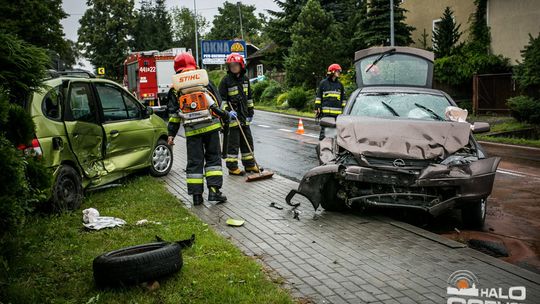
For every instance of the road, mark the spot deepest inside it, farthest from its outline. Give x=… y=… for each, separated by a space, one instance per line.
x=513 y=215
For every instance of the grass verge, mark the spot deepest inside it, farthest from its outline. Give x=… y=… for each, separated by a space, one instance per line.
x=51 y=257
x=504 y=124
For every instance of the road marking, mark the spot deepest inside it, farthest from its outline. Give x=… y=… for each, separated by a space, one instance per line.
x=311 y=135
x=509 y=173
x=263 y=126
x=286 y=130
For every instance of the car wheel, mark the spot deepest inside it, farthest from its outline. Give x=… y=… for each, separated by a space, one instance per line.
x=162 y=159
x=473 y=214
x=137 y=264
x=67 y=192
x=329 y=200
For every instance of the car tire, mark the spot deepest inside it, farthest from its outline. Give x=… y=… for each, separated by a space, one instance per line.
x=137 y=264
x=67 y=191
x=329 y=200
x=162 y=159
x=473 y=214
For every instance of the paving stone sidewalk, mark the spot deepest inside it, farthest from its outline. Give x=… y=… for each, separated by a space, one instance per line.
x=343 y=258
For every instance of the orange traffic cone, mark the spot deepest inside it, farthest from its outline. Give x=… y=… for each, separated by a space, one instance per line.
x=300 y=129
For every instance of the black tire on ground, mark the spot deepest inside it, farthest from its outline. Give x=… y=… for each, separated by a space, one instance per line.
x=162 y=159
x=473 y=214
x=137 y=264
x=329 y=200
x=67 y=191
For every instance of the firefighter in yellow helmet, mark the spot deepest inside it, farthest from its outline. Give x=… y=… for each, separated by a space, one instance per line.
x=330 y=99
x=198 y=109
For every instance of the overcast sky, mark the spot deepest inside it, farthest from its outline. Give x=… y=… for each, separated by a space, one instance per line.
x=208 y=8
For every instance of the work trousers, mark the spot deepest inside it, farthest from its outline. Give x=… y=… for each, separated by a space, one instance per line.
x=203 y=160
x=237 y=142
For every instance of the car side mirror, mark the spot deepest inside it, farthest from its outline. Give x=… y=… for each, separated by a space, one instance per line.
x=328 y=122
x=149 y=111
x=481 y=127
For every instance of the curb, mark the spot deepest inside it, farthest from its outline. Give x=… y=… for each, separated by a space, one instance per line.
x=512 y=151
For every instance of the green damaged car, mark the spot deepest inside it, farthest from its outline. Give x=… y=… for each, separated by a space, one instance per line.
x=92 y=131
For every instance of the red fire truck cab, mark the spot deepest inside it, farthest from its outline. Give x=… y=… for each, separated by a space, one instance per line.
x=148 y=75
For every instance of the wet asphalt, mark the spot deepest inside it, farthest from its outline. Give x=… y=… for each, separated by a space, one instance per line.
x=280 y=149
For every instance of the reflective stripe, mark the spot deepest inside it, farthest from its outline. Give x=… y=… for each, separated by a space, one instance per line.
x=195 y=180
x=331 y=92
x=333 y=95
x=224 y=105
x=250 y=103
x=343 y=104
x=214 y=173
x=212 y=168
x=317 y=100
x=231 y=160
x=329 y=110
x=233 y=124
x=209 y=128
x=175 y=119
x=232 y=93
x=247 y=156
x=232 y=89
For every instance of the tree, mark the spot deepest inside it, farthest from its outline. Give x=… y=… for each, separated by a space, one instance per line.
x=152 y=30
x=376 y=26
x=23 y=67
x=104 y=31
x=183 y=27
x=25 y=19
x=480 y=37
x=527 y=73
x=226 y=24
x=446 y=35
x=423 y=40
x=314 y=46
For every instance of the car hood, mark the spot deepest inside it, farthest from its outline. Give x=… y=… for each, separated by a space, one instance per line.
x=401 y=138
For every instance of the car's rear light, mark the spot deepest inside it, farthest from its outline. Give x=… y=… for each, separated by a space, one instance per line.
x=33 y=150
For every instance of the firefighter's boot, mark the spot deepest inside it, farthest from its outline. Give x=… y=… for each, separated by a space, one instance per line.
x=197 y=199
x=216 y=196
x=253 y=169
x=236 y=171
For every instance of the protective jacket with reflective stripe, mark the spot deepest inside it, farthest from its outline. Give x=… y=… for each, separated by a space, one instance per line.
x=330 y=97
x=175 y=120
x=233 y=98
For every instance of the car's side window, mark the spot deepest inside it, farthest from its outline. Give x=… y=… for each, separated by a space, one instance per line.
x=112 y=103
x=80 y=103
x=133 y=109
x=52 y=103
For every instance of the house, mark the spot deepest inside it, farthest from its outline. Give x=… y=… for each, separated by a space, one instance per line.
x=511 y=22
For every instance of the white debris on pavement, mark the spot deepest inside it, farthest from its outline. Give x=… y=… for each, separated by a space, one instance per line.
x=92 y=220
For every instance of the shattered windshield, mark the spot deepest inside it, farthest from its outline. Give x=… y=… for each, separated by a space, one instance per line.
x=403 y=105
x=393 y=69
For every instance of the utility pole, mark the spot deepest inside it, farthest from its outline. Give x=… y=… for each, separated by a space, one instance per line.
x=240 y=13
x=196 y=32
x=391 y=22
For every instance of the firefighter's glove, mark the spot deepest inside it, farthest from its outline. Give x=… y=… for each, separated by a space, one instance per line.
x=233 y=115
x=249 y=119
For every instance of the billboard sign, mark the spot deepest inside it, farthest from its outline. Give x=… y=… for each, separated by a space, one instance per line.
x=216 y=51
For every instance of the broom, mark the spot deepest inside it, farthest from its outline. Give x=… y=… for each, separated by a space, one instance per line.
x=253 y=177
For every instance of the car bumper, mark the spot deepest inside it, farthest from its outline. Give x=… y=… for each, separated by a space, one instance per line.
x=468 y=183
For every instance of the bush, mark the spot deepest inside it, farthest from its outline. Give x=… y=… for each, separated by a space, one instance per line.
x=525 y=109
x=215 y=76
x=460 y=67
x=271 y=91
x=258 y=89
x=298 y=98
x=282 y=98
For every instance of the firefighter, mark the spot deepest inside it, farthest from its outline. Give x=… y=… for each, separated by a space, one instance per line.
x=235 y=92
x=330 y=99
x=202 y=136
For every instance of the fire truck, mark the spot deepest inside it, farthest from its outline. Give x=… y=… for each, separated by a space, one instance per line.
x=148 y=75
